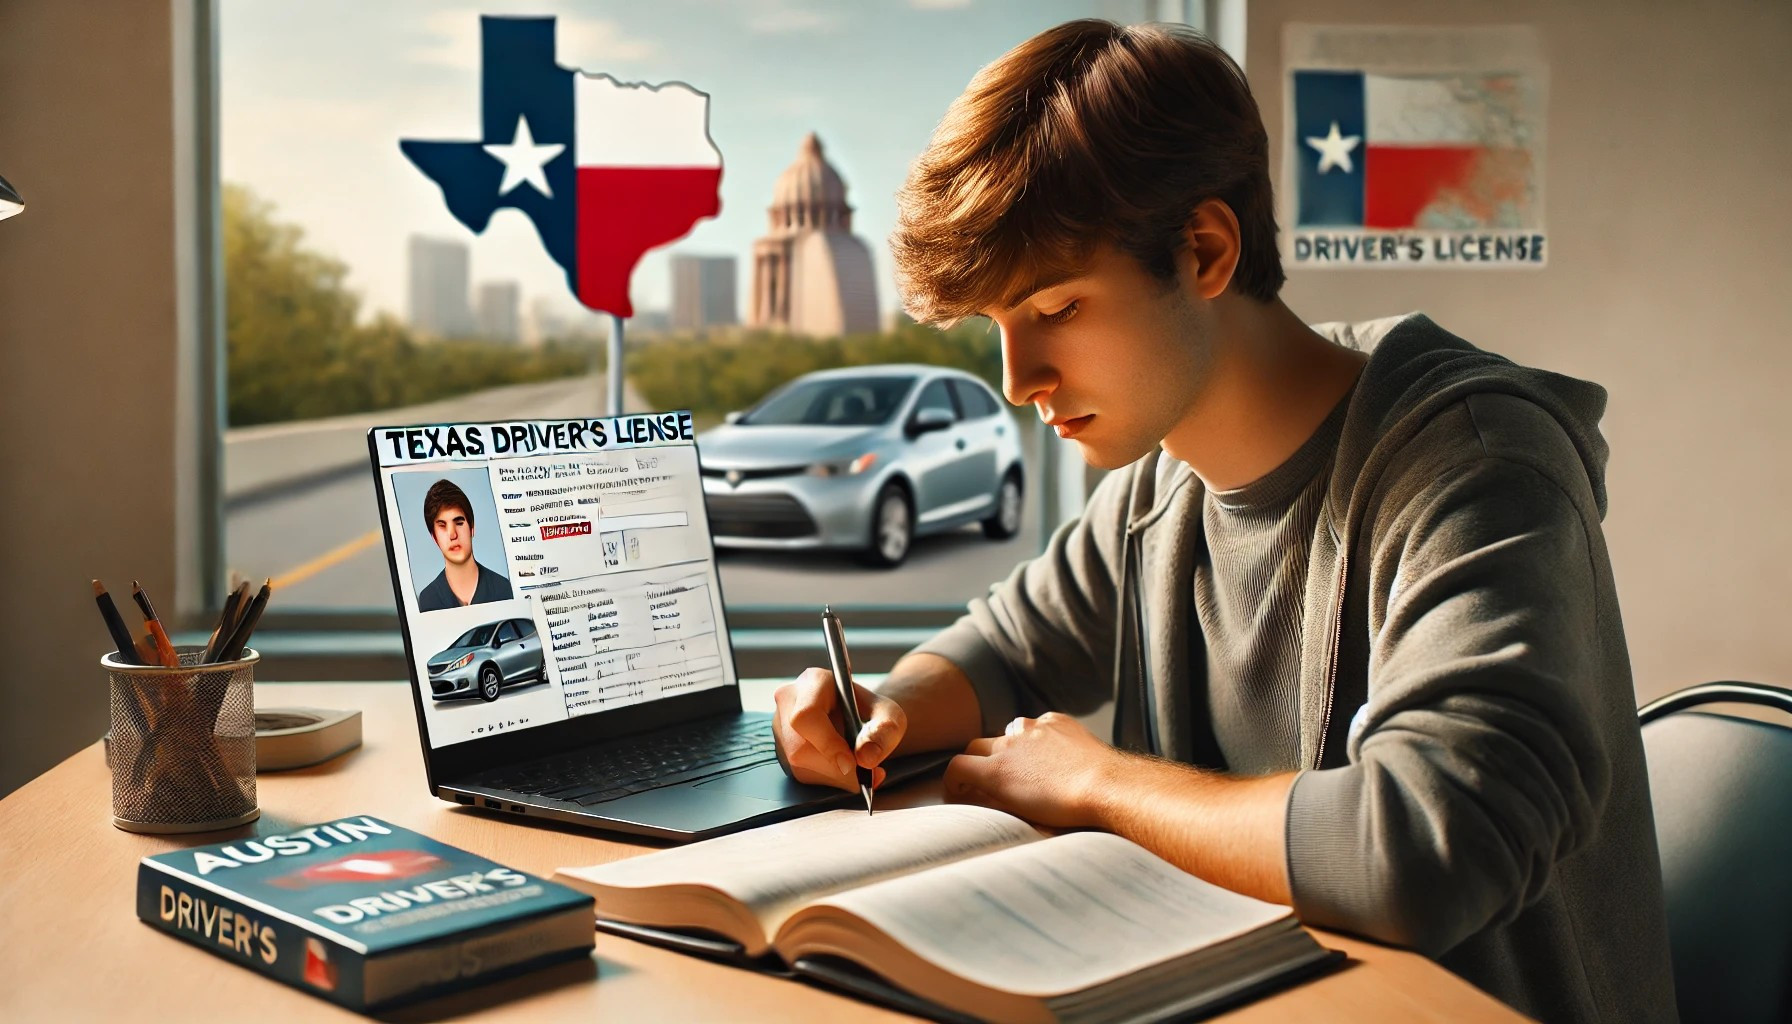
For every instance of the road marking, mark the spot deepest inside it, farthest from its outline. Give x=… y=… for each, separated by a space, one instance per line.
x=301 y=573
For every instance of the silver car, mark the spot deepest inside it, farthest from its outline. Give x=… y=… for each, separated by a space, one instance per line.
x=486 y=659
x=865 y=458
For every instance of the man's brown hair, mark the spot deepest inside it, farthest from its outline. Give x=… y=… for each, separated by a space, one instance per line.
x=1085 y=133
x=444 y=494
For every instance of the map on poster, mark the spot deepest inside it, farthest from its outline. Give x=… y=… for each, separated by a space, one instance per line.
x=550 y=569
x=1413 y=147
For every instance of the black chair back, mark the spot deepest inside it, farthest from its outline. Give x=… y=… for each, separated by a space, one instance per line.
x=1722 y=790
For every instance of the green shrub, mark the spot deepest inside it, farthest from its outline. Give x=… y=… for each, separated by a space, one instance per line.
x=715 y=375
x=293 y=348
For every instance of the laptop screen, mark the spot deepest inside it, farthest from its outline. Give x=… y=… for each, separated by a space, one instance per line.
x=549 y=569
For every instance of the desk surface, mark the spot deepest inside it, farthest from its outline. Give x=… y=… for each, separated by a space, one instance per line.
x=74 y=950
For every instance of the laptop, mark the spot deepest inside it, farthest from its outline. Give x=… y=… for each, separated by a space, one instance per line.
x=565 y=632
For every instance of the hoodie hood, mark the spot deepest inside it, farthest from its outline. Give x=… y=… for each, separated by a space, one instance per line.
x=1417 y=369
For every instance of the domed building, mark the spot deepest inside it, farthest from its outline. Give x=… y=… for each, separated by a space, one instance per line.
x=811 y=274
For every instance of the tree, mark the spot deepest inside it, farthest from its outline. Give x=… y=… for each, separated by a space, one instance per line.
x=294 y=348
x=286 y=309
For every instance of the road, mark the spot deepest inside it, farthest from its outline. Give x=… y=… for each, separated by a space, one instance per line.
x=301 y=508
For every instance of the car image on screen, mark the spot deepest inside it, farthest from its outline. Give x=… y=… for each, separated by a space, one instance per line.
x=487 y=659
x=865 y=458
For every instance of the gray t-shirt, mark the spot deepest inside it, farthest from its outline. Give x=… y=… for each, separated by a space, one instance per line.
x=1250 y=584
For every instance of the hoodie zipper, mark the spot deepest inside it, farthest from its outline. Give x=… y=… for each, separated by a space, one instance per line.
x=1331 y=663
x=1135 y=638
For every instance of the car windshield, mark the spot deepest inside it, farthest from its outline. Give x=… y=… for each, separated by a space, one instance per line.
x=478 y=636
x=832 y=402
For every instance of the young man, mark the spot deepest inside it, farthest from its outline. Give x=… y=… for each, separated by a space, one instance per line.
x=462 y=580
x=1346 y=588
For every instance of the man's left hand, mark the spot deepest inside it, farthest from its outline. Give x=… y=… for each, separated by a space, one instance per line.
x=1049 y=770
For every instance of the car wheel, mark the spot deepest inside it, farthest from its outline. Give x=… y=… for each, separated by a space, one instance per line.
x=892 y=527
x=1005 y=523
x=489 y=681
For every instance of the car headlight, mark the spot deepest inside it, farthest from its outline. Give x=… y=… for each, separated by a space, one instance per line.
x=844 y=467
x=460 y=662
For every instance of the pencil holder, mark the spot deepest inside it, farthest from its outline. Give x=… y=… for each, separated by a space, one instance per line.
x=182 y=745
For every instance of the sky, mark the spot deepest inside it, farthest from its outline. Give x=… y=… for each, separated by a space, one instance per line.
x=315 y=97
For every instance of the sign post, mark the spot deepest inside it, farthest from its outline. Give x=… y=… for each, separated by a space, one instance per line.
x=614 y=406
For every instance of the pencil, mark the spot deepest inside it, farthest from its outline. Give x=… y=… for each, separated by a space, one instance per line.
x=121 y=633
x=226 y=622
x=164 y=646
x=239 y=638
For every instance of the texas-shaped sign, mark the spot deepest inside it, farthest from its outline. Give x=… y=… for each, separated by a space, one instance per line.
x=606 y=170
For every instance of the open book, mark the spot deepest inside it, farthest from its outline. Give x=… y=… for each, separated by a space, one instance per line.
x=961 y=910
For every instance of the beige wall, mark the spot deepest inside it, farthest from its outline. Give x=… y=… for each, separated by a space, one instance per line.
x=1669 y=218
x=87 y=355
x=1668 y=283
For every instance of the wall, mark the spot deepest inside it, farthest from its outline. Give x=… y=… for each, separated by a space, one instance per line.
x=87 y=354
x=1668 y=283
x=1669 y=218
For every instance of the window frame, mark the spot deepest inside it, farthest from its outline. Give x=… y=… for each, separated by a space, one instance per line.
x=366 y=642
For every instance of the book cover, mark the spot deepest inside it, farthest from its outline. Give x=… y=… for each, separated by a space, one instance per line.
x=362 y=912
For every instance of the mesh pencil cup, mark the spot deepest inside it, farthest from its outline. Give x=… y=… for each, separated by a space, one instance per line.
x=182 y=745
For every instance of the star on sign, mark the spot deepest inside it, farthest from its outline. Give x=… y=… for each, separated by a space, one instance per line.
x=524 y=160
x=1334 y=149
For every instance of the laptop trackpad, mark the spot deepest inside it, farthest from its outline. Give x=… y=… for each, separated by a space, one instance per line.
x=765 y=782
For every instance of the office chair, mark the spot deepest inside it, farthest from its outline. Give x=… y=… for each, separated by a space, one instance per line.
x=1722 y=789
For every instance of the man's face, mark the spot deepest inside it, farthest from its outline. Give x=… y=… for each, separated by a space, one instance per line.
x=454 y=535
x=1114 y=358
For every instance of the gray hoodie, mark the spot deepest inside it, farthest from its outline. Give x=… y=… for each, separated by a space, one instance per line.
x=1472 y=781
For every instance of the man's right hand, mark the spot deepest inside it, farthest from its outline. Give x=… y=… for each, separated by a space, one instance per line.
x=806 y=725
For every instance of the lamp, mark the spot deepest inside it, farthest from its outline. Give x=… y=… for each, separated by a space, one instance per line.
x=10 y=201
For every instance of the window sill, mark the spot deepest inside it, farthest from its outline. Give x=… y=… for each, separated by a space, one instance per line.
x=315 y=655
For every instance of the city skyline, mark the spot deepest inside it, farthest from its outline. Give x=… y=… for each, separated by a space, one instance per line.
x=703 y=292
x=445 y=302
x=319 y=138
x=440 y=287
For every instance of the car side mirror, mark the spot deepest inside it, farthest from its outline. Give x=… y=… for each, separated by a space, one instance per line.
x=928 y=420
x=731 y=417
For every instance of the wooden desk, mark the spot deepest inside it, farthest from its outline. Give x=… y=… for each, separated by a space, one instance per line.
x=73 y=948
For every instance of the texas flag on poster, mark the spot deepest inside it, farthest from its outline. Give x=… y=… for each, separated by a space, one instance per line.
x=606 y=170
x=1419 y=168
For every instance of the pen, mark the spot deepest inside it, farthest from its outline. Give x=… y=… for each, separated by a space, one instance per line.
x=835 y=636
x=245 y=625
x=121 y=634
x=164 y=647
x=226 y=623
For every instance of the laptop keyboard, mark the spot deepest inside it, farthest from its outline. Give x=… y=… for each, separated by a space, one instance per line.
x=640 y=763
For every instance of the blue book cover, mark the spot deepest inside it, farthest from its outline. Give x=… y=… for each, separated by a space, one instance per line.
x=361 y=911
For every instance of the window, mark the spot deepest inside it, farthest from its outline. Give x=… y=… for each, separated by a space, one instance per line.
x=356 y=297
x=974 y=400
x=507 y=632
x=478 y=636
x=833 y=401
x=935 y=396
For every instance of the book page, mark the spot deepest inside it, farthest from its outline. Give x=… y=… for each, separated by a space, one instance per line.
x=774 y=869
x=1051 y=917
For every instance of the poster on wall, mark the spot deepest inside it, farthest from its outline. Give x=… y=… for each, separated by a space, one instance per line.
x=1413 y=147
